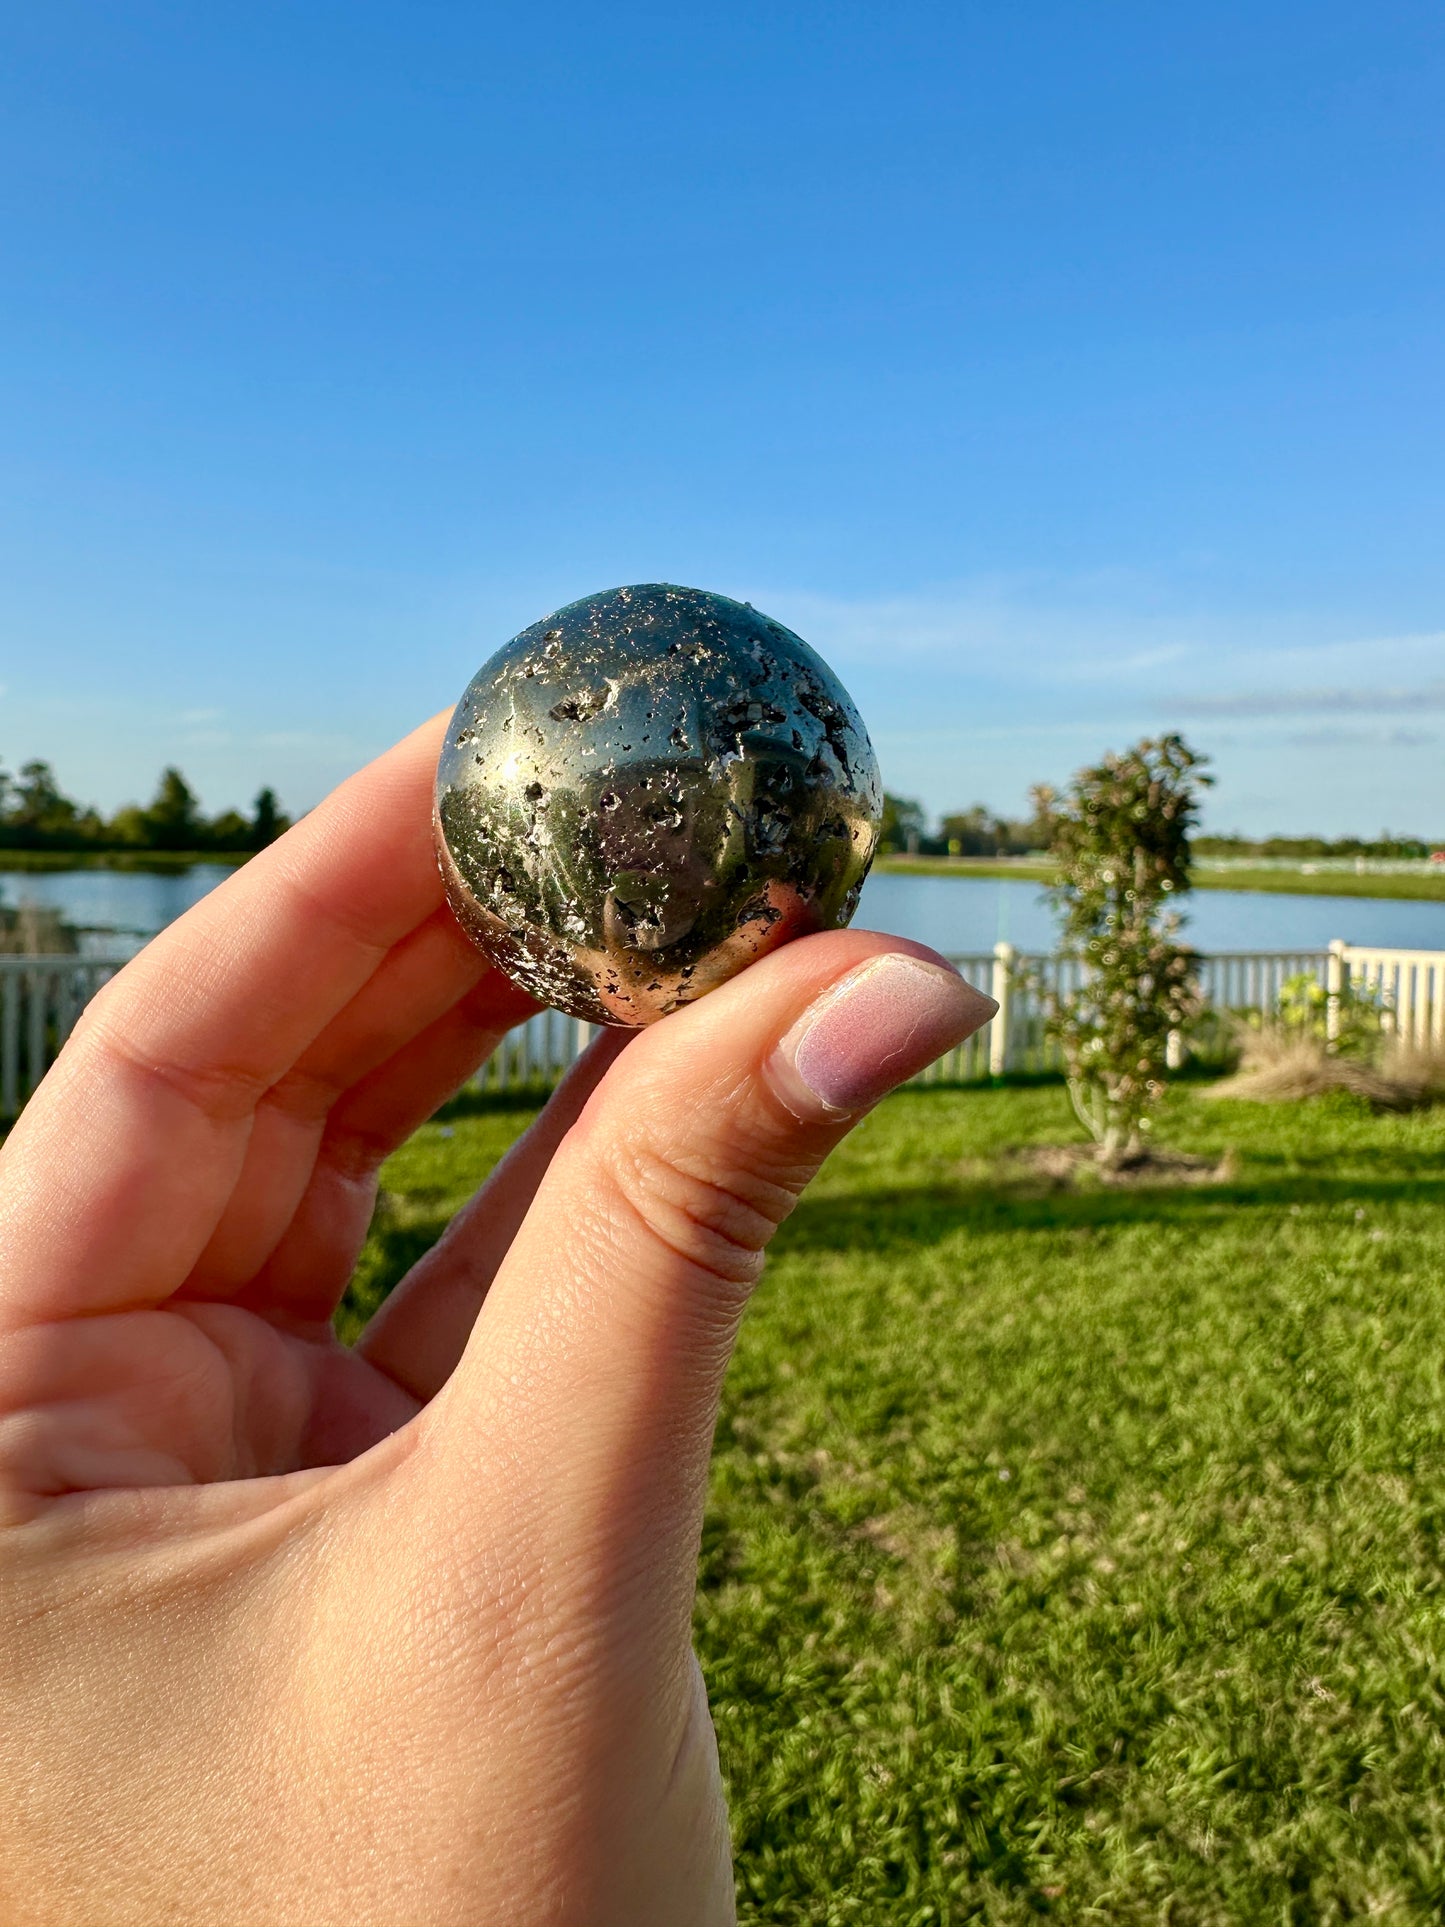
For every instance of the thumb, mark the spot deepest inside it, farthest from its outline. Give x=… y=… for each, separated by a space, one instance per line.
x=591 y=1381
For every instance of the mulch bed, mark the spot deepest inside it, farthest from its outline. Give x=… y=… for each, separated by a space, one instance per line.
x=1063 y=1166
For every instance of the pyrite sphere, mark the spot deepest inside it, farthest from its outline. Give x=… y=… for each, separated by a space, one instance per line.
x=646 y=791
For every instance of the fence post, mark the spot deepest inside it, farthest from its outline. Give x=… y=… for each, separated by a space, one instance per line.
x=998 y=1037
x=1335 y=975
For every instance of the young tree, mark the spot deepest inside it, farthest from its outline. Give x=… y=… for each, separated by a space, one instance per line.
x=1121 y=841
x=229 y=831
x=174 y=818
x=903 y=824
x=39 y=813
x=128 y=829
x=971 y=832
x=269 y=820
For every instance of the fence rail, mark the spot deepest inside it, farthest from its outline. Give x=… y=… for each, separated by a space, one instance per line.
x=42 y=997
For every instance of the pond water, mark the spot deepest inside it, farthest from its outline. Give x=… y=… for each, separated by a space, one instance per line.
x=958 y=915
x=134 y=904
x=966 y=915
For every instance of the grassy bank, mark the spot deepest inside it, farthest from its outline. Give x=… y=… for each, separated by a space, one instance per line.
x=159 y=862
x=1014 y=869
x=1075 y=1555
x=1426 y=887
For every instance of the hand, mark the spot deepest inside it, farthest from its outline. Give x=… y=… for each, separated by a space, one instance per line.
x=400 y=1635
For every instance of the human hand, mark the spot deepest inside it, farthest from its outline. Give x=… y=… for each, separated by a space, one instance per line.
x=400 y=1635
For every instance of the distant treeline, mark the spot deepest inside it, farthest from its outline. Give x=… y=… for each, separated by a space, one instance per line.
x=975 y=832
x=979 y=832
x=1314 y=846
x=36 y=814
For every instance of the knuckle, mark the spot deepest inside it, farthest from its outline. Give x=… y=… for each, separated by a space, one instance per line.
x=304 y=1096
x=221 y=1093
x=719 y=1221
x=355 y=1154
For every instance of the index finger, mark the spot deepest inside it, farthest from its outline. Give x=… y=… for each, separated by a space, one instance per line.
x=114 y=1177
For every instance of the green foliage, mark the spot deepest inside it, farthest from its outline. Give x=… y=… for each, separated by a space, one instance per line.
x=982 y=832
x=230 y=831
x=36 y=816
x=174 y=817
x=35 y=810
x=1121 y=842
x=1303 y=1011
x=974 y=832
x=268 y=822
x=903 y=825
x=1074 y=1556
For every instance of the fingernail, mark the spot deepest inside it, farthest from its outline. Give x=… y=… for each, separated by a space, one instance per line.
x=873 y=1029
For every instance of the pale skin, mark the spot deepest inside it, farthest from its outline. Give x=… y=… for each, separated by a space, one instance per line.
x=398 y=1636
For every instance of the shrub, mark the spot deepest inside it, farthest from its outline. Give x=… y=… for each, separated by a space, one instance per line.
x=1303 y=1012
x=1121 y=840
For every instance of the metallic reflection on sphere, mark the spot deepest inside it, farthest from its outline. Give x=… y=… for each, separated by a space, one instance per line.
x=646 y=791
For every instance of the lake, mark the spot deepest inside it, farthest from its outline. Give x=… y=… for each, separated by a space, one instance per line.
x=133 y=903
x=965 y=915
x=958 y=915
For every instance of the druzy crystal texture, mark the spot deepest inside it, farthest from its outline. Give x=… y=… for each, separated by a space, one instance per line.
x=645 y=792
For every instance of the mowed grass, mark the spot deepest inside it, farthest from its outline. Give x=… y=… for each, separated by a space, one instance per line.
x=1076 y=1555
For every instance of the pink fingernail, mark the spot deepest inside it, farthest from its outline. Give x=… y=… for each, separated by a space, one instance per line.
x=875 y=1027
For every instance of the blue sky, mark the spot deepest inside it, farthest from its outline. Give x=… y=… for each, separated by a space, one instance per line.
x=1062 y=372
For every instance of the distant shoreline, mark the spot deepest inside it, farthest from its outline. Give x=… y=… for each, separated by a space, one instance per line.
x=158 y=862
x=1426 y=888
x=1411 y=887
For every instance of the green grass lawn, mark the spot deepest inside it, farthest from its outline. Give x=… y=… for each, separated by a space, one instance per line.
x=1075 y=1555
x=1421 y=886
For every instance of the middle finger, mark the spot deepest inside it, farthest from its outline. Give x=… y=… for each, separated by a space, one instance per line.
x=420 y=980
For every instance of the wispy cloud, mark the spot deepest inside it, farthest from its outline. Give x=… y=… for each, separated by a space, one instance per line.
x=1333 y=738
x=1313 y=702
x=305 y=742
x=977 y=687
x=1114 y=627
x=1132 y=664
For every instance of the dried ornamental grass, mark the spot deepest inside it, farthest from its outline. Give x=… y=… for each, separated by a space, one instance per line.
x=1415 y=1071
x=1283 y=1067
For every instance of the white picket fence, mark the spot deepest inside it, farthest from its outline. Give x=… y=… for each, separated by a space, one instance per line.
x=1410 y=984
x=41 y=998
